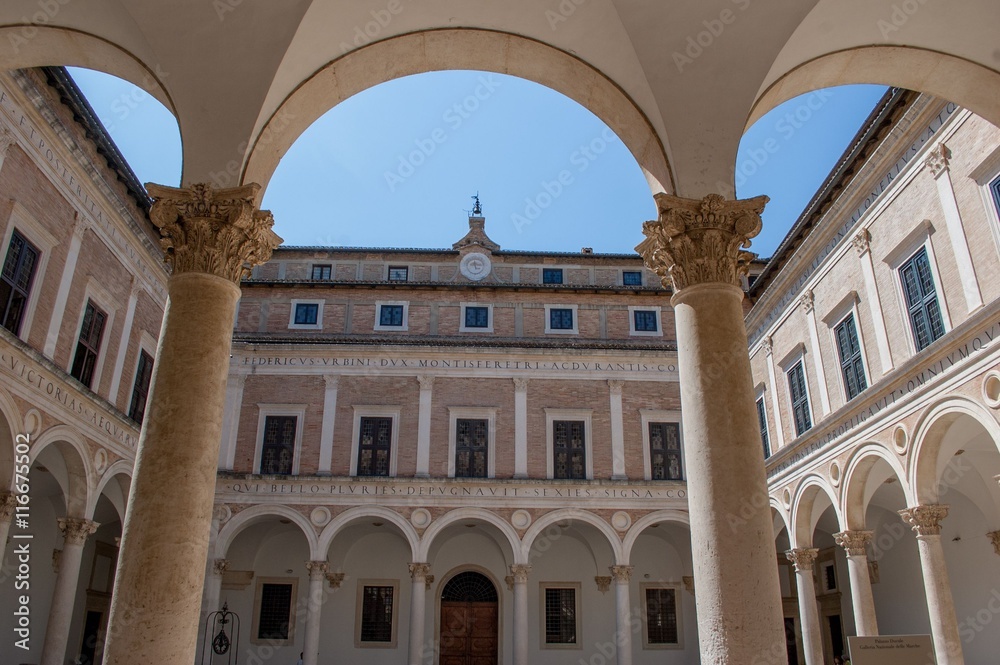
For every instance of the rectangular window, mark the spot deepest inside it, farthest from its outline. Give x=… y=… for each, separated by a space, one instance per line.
x=374 y=446
x=477 y=317
x=569 y=449
x=140 y=389
x=762 y=423
x=851 y=365
x=800 y=399
x=552 y=276
x=15 y=281
x=306 y=314
x=561 y=319
x=89 y=344
x=376 y=613
x=472 y=438
x=632 y=278
x=921 y=299
x=275 y=612
x=390 y=315
x=321 y=272
x=398 y=273
x=665 y=451
x=278 y=448
x=661 y=616
x=646 y=320
x=560 y=616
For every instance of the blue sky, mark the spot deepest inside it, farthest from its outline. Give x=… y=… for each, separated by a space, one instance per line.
x=396 y=165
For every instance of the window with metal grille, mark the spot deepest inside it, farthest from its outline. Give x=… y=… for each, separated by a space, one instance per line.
x=321 y=272
x=376 y=614
x=631 y=278
x=471 y=447
x=800 y=399
x=140 y=388
x=390 y=315
x=830 y=577
x=569 y=449
x=560 y=616
x=661 y=616
x=15 y=281
x=851 y=365
x=921 y=299
x=306 y=314
x=469 y=587
x=477 y=317
x=275 y=611
x=278 y=448
x=762 y=423
x=561 y=319
x=89 y=344
x=645 y=320
x=665 y=451
x=552 y=276
x=399 y=273
x=374 y=446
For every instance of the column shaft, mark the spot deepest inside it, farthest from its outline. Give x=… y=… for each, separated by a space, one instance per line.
x=75 y=532
x=805 y=583
x=865 y=620
x=418 y=605
x=623 y=614
x=213 y=592
x=314 y=608
x=520 y=574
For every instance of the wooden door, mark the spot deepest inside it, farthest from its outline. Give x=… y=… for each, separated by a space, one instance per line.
x=468 y=633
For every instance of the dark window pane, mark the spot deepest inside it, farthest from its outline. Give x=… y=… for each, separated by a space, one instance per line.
x=921 y=299
x=374 y=447
x=646 y=320
x=851 y=364
x=661 y=616
x=800 y=399
x=88 y=344
x=471 y=447
x=552 y=276
x=278 y=447
x=391 y=315
x=632 y=278
x=665 y=451
x=140 y=389
x=275 y=610
x=398 y=273
x=15 y=281
x=569 y=449
x=762 y=423
x=477 y=317
x=560 y=616
x=376 y=614
x=321 y=272
x=306 y=314
x=561 y=319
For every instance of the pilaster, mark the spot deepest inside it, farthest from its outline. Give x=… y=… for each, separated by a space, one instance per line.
x=520 y=427
x=615 y=387
x=862 y=244
x=424 y=426
x=808 y=303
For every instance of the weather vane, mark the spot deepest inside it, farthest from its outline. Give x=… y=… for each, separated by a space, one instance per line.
x=477 y=207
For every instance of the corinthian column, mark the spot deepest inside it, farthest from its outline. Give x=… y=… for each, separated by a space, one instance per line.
x=623 y=613
x=803 y=559
x=926 y=523
x=314 y=606
x=855 y=544
x=418 y=604
x=520 y=571
x=211 y=239
x=75 y=531
x=697 y=248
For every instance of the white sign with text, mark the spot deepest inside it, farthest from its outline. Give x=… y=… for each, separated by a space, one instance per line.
x=892 y=650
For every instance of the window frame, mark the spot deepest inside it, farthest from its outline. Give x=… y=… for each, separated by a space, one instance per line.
x=255 y=626
x=405 y=304
x=265 y=410
x=633 y=272
x=678 y=608
x=456 y=413
x=635 y=332
x=99 y=298
x=292 y=325
x=546 y=272
x=647 y=416
x=375 y=411
x=14 y=288
x=489 y=318
x=908 y=310
x=389 y=270
x=359 y=613
x=551 y=416
x=763 y=424
x=853 y=316
x=799 y=362
x=135 y=378
x=322 y=267
x=35 y=233
x=575 y=330
x=542 y=615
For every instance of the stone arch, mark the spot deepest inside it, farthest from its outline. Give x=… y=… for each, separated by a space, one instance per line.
x=858 y=469
x=644 y=522
x=80 y=476
x=474 y=514
x=258 y=513
x=11 y=424
x=344 y=519
x=947 y=76
x=449 y=49
x=573 y=514
x=781 y=514
x=121 y=474
x=929 y=442
x=804 y=519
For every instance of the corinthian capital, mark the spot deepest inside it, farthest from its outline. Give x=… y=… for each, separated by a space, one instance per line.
x=854 y=542
x=76 y=529
x=621 y=574
x=7 y=502
x=925 y=520
x=7 y=139
x=701 y=242
x=807 y=300
x=519 y=572
x=937 y=160
x=215 y=231
x=802 y=558
x=419 y=571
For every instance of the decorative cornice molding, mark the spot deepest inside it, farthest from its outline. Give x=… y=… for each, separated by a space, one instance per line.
x=621 y=574
x=701 y=241
x=419 y=571
x=802 y=558
x=854 y=542
x=925 y=520
x=215 y=231
x=75 y=530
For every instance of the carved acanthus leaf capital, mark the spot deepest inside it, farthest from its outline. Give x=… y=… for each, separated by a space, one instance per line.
x=616 y=385
x=688 y=582
x=701 y=242
x=215 y=231
x=807 y=300
x=768 y=345
x=603 y=582
x=426 y=381
x=862 y=241
x=332 y=381
x=854 y=542
x=520 y=571
x=520 y=384
x=937 y=160
x=994 y=537
x=621 y=573
x=925 y=520
x=335 y=580
x=7 y=139
x=317 y=569
x=75 y=530
x=419 y=571
x=220 y=566
x=802 y=558
x=7 y=502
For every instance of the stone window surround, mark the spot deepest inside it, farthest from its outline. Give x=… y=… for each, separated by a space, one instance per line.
x=37 y=235
x=552 y=415
x=406 y=315
x=760 y=401
x=489 y=317
x=375 y=411
x=645 y=333
x=575 y=330
x=985 y=174
x=678 y=602
x=103 y=299
x=630 y=270
x=265 y=410
x=647 y=416
x=542 y=586
x=306 y=326
x=147 y=344
x=792 y=358
x=359 y=607
x=847 y=306
x=488 y=413
x=259 y=587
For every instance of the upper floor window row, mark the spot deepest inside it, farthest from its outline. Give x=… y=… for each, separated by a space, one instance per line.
x=16 y=281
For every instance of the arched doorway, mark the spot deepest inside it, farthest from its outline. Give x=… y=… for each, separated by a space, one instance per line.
x=469 y=629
